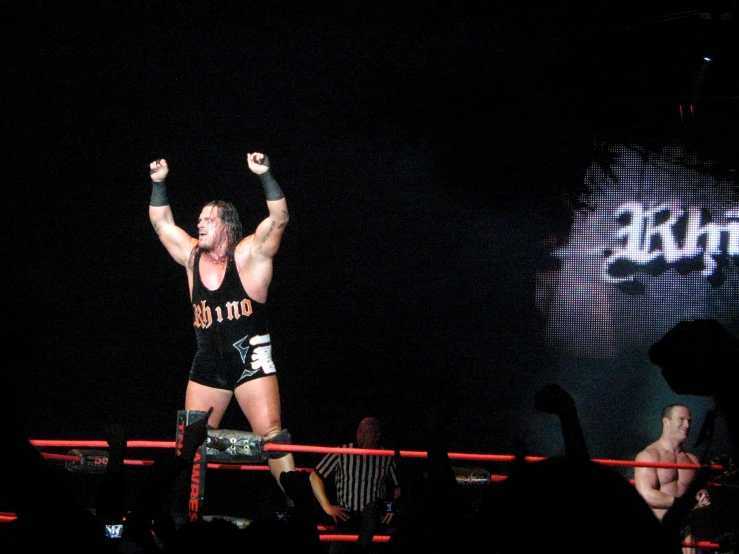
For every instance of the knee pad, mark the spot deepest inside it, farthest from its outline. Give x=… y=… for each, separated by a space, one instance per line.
x=283 y=437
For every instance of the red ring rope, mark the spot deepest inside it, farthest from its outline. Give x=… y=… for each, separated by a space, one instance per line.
x=269 y=447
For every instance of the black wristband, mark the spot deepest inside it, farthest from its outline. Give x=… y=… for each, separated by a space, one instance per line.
x=271 y=189
x=159 y=194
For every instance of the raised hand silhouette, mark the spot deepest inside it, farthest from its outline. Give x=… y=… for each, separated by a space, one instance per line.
x=553 y=399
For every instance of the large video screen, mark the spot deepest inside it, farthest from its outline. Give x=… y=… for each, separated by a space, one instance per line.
x=653 y=241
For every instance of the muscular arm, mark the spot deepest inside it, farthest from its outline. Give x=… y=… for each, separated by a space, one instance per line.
x=269 y=232
x=647 y=483
x=177 y=242
x=254 y=254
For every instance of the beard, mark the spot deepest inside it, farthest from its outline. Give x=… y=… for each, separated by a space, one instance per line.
x=206 y=243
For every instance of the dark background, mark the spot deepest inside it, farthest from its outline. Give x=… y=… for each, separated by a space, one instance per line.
x=426 y=150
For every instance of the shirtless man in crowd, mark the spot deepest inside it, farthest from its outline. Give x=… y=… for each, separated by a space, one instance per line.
x=661 y=486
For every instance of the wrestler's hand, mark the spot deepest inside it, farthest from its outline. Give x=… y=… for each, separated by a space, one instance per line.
x=158 y=170
x=337 y=512
x=258 y=162
x=387 y=517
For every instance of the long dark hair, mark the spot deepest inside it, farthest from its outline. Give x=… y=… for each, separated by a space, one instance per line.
x=231 y=220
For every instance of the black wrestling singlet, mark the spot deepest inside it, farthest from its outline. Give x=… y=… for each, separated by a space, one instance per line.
x=231 y=331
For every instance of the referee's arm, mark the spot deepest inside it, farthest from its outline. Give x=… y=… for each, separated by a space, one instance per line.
x=319 y=491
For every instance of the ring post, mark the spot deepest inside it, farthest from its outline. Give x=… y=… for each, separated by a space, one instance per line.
x=194 y=480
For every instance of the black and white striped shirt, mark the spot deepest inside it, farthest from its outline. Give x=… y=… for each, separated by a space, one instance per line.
x=359 y=479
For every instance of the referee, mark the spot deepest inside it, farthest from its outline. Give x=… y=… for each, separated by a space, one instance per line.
x=365 y=486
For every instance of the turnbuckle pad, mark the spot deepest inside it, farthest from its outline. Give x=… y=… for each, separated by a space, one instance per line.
x=235 y=447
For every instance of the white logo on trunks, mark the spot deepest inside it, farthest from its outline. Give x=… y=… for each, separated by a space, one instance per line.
x=239 y=345
x=261 y=357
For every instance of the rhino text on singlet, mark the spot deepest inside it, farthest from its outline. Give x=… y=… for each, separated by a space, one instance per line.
x=234 y=310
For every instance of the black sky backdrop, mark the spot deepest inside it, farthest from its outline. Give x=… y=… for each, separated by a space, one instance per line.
x=426 y=150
